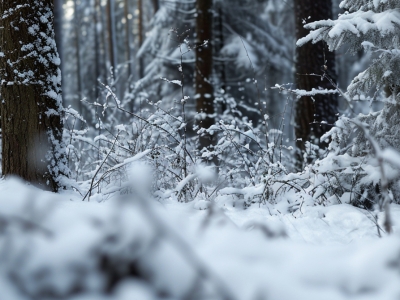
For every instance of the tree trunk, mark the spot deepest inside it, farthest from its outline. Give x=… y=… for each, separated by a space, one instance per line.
x=156 y=6
x=127 y=41
x=140 y=31
x=112 y=42
x=58 y=16
x=203 y=70
x=31 y=94
x=77 y=29
x=311 y=59
x=104 y=60
x=97 y=47
x=221 y=43
x=58 y=22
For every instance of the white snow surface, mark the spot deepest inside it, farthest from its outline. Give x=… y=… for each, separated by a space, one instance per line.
x=52 y=243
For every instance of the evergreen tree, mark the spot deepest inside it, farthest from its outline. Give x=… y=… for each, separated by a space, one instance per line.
x=373 y=26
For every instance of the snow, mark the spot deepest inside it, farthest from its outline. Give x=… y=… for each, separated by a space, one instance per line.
x=315 y=253
x=362 y=26
x=205 y=173
x=131 y=159
x=177 y=82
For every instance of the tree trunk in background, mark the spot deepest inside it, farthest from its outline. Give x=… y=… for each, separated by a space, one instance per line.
x=310 y=60
x=104 y=36
x=140 y=32
x=112 y=42
x=97 y=47
x=204 y=94
x=156 y=6
x=113 y=50
x=127 y=41
x=78 y=57
x=31 y=94
x=221 y=66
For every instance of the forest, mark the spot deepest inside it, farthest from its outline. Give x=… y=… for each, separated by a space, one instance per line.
x=199 y=149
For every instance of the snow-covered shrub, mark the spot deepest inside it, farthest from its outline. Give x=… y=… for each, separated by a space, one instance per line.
x=101 y=156
x=248 y=157
x=251 y=157
x=355 y=169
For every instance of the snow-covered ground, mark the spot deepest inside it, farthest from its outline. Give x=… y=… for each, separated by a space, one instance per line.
x=56 y=246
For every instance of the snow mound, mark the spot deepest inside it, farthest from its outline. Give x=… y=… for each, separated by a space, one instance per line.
x=56 y=246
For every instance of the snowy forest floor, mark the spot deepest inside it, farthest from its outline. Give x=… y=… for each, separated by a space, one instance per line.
x=55 y=246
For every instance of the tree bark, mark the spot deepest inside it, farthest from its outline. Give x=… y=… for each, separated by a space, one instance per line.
x=77 y=29
x=156 y=6
x=31 y=94
x=311 y=59
x=58 y=22
x=104 y=57
x=221 y=42
x=58 y=16
x=127 y=41
x=203 y=69
x=140 y=31
x=97 y=46
x=112 y=42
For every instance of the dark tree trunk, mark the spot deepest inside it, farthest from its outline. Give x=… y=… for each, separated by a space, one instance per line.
x=97 y=47
x=58 y=21
x=140 y=31
x=311 y=59
x=104 y=58
x=31 y=94
x=156 y=6
x=112 y=43
x=203 y=69
x=221 y=43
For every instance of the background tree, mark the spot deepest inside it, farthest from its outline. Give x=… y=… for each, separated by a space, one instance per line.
x=112 y=41
x=313 y=60
x=31 y=94
x=77 y=30
x=204 y=93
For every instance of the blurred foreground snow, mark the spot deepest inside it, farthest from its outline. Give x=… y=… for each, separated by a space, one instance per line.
x=132 y=248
